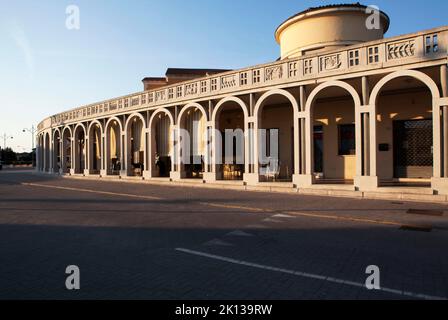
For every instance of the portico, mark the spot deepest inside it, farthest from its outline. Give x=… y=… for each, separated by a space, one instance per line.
x=360 y=116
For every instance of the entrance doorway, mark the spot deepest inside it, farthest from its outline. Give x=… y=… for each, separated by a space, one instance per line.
x=413 y=149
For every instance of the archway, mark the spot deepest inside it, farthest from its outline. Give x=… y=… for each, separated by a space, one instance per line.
x=66 y=161
x=332 y=133
x=57 y=151
x=47 y=152
x=113 y=147
x=40 y=146
x=230 y=120
x=276 y=145
x=80 y=150
x=405 y=124
x=136 y=145
x=95 y=147
x=161 y=153
x=192 y=144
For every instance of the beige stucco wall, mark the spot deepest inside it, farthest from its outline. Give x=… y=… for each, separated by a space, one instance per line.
x=325 y=31
x=330 y=115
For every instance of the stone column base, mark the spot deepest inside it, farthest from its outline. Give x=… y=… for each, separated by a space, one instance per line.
x=209 y=176
x=251 y=178
x=123 y=173
x=147 y=175
x=302 y=180
x=440 y=185
x=103 y=173
x=177 y=175
x=366 y=183
x=86 y=172
x=72 y=172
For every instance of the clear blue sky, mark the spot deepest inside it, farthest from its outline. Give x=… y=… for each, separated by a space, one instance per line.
x=46 y=68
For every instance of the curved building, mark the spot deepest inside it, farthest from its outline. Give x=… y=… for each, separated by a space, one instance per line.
x=346 y=105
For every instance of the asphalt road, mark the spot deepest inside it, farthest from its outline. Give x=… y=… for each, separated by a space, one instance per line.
x=142 y=241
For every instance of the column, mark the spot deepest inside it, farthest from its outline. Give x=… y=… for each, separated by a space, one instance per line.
x=439 y=181
x=366 y=177
x=303 y=175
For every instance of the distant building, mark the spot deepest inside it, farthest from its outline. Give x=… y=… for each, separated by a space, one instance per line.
x=351 y=107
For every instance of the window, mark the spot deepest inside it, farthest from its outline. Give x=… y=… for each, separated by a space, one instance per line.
x=308 y=66
x=374 y=56
x=203 y=86
x=144 y=99
x=243 y=78
x=347 y=145
x=432 y=44
x=170 y=93
x=353 y=58
x=257 y=76
x=214 y=84
x=151 y=98
x=292 y=69
x=179 y=92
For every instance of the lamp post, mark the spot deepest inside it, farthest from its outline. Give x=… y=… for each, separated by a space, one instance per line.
x=32 y=130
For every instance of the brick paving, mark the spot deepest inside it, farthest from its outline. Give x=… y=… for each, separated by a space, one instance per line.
x=125 y=246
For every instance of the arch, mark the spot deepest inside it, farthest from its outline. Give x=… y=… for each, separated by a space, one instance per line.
x=69 y=129
x=133 y=165
x=47 y=144
x=158 y=111
x=66 y=160
x=221 y=103
x=166 y=162
x=132 y=116
x=341 y=84
x=217 y=144
x=110 y=121
x=113 y=164
x=95 y=147
x=79 y=125
x=436 y=124
x=57 y=138
x=309 y=145
x=189 y=106
x=182 y=148
x=95 y=122
x=281 y=92
x=56 y=130
x=80 y=156
x=404 y=73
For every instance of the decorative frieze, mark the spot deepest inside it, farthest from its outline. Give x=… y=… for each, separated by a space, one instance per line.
x=228 y=81
x=191 y=89
x=400 y=50
x=274 y=73
x=331 y=62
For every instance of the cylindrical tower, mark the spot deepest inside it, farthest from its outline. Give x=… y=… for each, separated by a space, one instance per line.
x=329 y=27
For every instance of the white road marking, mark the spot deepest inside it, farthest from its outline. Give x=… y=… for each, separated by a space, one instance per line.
x=283 y=216
x=307 y=275
x=92 y=191
x=239 y=233
x=272 y=220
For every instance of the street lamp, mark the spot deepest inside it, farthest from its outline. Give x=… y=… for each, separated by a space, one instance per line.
x=32 y=130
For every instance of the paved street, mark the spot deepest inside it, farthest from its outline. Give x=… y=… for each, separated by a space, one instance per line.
x=142 y=241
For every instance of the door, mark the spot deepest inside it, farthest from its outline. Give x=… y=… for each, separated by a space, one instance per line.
x=413 y=149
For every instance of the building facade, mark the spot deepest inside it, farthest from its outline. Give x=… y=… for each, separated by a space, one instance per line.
x=350 y=107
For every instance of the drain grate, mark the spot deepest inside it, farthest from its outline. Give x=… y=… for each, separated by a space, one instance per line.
x=416 y=228
x=434 y=213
